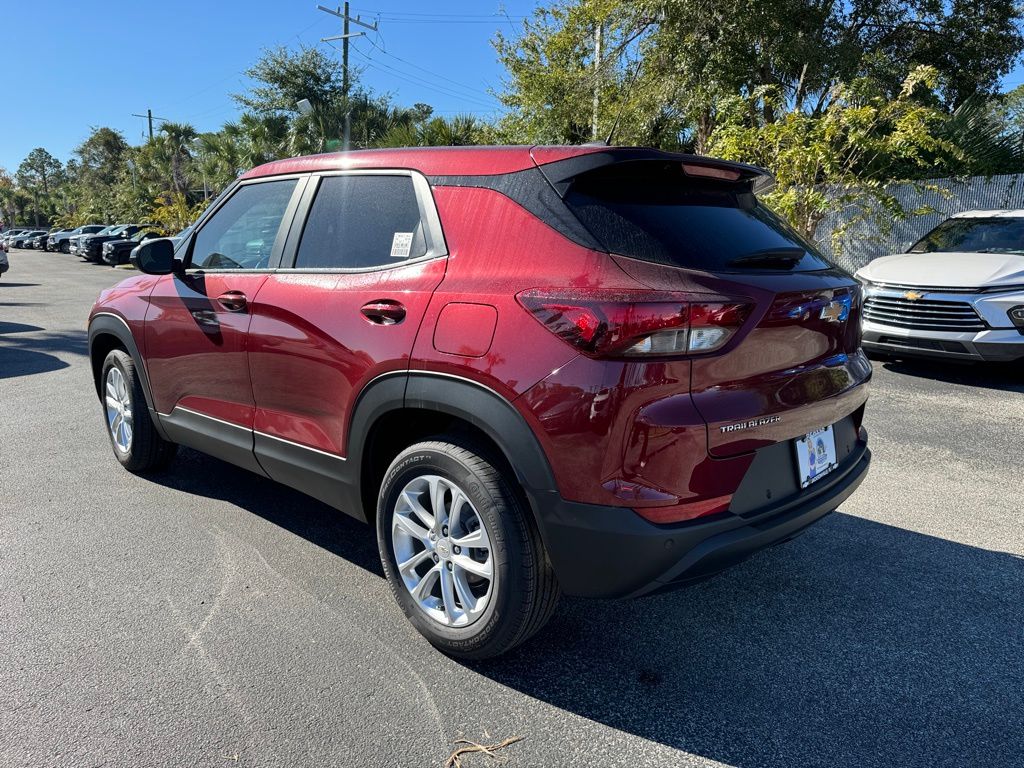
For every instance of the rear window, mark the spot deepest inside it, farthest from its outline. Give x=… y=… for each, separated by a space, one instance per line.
x=650 y=210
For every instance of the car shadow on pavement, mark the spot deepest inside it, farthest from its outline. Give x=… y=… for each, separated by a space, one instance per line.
x=1007 y=377
x=341 y=535
x=6 y=328
x=25 y=351
x=7 y=284
x=858 y=644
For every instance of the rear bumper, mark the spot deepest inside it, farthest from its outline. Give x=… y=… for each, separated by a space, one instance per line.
x=998 y=345
x=612 y=552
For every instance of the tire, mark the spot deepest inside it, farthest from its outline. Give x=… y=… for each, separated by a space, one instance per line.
x=65 y=247
x=522 y=592
x=136 y=443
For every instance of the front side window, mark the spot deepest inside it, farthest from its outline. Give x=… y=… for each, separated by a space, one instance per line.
x=362 y=222
x=241 y=233
x=983 y=235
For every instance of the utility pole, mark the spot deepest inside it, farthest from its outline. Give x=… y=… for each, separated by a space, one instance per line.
x=598 y=32
x=149 y=117
x=345 y=78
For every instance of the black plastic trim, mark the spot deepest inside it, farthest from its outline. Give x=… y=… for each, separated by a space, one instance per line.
x=212 y=436
x=316 y=473
x=612 y=552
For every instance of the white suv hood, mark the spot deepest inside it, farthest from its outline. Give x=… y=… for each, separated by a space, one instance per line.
x=947 y=270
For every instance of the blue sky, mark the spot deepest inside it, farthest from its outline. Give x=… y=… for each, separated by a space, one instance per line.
x=83 y=63
x=88 y=63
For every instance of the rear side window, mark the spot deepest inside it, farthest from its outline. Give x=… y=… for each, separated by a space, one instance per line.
x=650 y=210
x=362 y=222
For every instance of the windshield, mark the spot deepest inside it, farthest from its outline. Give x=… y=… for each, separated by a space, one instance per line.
x=992 y=235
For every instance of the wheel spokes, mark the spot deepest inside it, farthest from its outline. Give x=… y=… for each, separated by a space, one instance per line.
x=474 y=540
x=437 y=493
x=409 y=565
x=454 y=613
x=426 y=583
x=469 y=564
x=413 y=504
x=407 y=525
x=434 y=519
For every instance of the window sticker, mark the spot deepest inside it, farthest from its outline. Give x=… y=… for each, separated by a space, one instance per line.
x=401 y=245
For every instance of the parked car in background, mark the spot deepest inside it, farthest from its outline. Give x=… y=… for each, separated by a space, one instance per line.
x=8 y=236
x=61 y=241
x=49 y=237
x=77 y=240
x=22 y=240
x=957 y=293
x=117 y=251
x=39 y=241
x=90 y=247
x=599 y=371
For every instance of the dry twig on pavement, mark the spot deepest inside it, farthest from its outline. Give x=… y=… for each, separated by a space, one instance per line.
x=455 y=759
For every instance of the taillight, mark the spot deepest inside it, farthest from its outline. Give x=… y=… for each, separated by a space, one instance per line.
x=636 y=324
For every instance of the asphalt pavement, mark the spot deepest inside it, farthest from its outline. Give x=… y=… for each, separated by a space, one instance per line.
x=208 y=617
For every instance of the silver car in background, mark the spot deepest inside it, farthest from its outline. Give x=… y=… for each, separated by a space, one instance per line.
x=957 y=293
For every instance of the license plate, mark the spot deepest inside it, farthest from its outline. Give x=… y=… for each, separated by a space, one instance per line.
x=815 y=455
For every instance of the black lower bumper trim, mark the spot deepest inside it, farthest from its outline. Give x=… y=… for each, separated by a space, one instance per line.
x=613 y=552
x=938 y=348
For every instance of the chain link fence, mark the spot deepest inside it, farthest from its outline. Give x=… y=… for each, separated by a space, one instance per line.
x=864 y=241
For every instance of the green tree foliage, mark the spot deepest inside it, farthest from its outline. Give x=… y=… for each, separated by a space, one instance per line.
x=844 y=158
x=555 y=75
x=693 y=54
x=38 y=175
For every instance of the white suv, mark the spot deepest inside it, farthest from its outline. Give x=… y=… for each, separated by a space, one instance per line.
x=958 y=292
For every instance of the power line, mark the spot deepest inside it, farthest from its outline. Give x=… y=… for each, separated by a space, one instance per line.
x=416 y=80
x=149 y=117
x=345 y=77
x=382 y=13
x=424 y=69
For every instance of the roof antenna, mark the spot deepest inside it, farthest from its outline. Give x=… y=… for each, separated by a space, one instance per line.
x=618 y=113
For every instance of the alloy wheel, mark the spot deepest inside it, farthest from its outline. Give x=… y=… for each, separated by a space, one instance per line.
x=118 y=402
x=442 y=551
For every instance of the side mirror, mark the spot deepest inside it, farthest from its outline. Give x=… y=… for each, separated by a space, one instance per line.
x=155 y=257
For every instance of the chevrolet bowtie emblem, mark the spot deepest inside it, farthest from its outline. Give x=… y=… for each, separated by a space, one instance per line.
x=913 y=295
x=837 y=311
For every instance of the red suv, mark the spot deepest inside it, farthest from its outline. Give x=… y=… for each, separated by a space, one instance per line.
x=591 y=370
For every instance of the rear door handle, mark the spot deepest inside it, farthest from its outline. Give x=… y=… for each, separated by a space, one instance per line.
x=383 y=312
x=233 y=301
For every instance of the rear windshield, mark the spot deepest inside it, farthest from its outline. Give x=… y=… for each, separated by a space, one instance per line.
x=650 y=210
x=992 y=235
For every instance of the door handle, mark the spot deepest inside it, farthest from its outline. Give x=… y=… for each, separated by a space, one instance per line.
x=233 y=301
x=383 y=312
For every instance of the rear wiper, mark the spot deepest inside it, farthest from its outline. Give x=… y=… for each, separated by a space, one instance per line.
x=773 y=258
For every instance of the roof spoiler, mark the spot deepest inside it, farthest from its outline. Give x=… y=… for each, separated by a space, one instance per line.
x=561 y=173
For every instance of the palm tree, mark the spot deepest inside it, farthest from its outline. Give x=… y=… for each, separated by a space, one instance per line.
x=178 y=138
x=260 y=138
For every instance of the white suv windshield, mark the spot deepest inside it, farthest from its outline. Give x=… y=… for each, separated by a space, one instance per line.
x=991 y=235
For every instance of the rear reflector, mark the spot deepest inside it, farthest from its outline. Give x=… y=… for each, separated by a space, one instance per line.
x=636 y=324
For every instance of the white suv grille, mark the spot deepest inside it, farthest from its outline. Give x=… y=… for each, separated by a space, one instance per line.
x=922 y=314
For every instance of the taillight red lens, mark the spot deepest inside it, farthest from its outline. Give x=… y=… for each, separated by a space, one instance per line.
x=636 y=324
